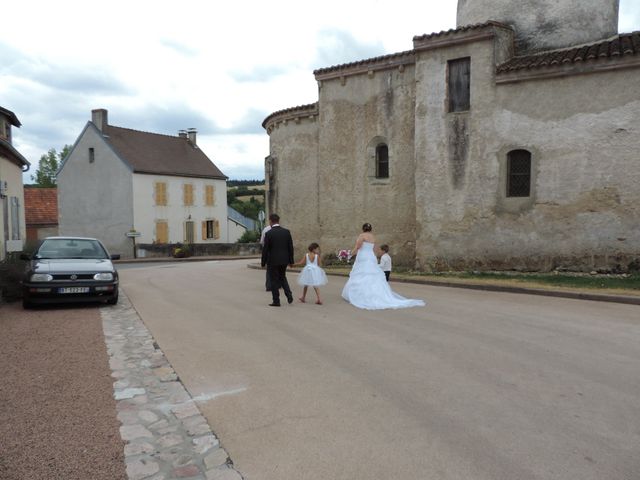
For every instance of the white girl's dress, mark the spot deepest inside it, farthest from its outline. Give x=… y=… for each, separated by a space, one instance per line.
x=312 y=275
x=367 y=286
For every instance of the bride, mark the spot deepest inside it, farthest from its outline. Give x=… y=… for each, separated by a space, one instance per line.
x=367 y=286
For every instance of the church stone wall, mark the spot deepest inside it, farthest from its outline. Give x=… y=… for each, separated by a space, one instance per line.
x=546 y=24
x=357 y=113
x=292 y=178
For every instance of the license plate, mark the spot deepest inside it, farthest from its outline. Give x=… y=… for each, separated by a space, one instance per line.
x=74 y=290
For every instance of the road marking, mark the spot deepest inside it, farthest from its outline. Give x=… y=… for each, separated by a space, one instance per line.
x=205 y=397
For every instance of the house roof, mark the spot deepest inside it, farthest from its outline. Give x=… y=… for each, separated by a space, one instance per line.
x=40 y=206
x=12 y=117
x=8 y=151
x=622 y=45
x=160 y=154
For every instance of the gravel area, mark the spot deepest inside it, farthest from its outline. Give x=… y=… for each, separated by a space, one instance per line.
x=56 y=397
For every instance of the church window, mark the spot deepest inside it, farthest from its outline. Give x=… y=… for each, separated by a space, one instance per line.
x=459 y=83
x=382 y=161
x=518 y=173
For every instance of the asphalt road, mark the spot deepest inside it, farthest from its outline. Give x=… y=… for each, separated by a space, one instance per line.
x=476 y=385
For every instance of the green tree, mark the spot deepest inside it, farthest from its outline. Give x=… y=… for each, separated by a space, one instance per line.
x=45 y=175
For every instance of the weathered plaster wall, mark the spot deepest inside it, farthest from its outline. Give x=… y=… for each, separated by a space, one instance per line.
x=95 y=199
x=234 y=231
x=583 y=211
x=175 y=213
x=546 y=24
x=12 y=174
x=293 y=167
x=354 y=116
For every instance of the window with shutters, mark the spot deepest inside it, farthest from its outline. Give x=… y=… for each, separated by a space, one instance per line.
x=382 y=161
x=162 y=231
x=209 y=198
x=161 y=193
x=211 y=230
x=518 y=173
x=187 y=191
x=459 y=84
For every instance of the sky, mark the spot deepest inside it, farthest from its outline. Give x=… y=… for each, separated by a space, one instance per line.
x=219 y=67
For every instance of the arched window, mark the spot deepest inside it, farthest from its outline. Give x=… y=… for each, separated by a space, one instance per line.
x=382 y=161
x=518 y=173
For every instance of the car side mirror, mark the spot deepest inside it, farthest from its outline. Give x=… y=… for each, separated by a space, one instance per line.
x=25 y=256
x=115 y=256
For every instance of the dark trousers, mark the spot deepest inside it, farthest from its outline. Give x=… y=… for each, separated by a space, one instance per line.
x=278 y=277
x=267 y=283
x=386 y=274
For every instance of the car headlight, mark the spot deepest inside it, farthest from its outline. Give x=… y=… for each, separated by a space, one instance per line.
x=41 y=277
x=103 y=276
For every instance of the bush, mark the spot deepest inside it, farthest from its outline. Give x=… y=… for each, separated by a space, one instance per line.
x=250 y=236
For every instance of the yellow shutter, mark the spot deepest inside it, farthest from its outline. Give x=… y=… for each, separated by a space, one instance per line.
x=204 y=230
x=209 y=196
x=187 y=190
x=161 y=193
x=216 y=229
x=162 y=232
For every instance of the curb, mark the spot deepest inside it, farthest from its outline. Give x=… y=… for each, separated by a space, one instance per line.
x=187 y=259
x=577 y=295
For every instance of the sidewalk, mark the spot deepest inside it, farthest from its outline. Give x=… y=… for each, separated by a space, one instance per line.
x=187 y=259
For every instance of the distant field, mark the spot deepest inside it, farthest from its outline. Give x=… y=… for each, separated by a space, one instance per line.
x=246 y=198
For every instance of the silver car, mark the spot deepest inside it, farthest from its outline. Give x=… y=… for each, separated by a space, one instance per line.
x=70 y=269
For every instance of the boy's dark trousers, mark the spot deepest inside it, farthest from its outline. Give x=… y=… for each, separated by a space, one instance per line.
x=387 y=274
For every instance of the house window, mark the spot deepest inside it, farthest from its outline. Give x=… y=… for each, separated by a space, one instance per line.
x=382 y=161
x=92 y=155
x=209 y=197
x=210 y=230
x=6 y=130
x=189 y=228
x=187 y=194
x=161 y=193
x=518 y=173
x=459 y=83
x=162 y=231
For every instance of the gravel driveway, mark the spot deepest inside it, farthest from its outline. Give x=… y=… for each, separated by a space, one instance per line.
x=56 y=397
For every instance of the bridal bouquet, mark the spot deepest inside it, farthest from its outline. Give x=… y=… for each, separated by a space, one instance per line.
x=344 y=256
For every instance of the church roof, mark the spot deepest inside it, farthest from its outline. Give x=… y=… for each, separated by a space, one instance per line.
x=310 y=108
x=622 y=45
x=160 y=154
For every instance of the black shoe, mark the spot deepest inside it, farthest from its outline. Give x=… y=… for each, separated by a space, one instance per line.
x=274 y=304
x=290 y=298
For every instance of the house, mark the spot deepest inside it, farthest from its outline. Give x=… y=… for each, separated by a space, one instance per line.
x=509 y=142
x=41 y=212
x=125 y=186
x=12 y=166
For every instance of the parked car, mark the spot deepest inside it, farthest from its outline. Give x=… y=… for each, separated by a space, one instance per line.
x=70 y=269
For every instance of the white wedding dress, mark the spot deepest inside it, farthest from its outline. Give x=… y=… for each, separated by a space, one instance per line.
x=367 y=286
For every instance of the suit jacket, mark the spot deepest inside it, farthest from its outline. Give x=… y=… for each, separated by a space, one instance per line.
x=278 y=247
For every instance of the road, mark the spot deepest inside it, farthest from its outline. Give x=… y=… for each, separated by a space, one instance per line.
x=476 y=385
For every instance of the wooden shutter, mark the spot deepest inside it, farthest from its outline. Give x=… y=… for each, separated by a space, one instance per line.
x=216 y=229
x=204 y=230
x=209 y=199
x=187 y=191
x=161 y=193
x=162 y=232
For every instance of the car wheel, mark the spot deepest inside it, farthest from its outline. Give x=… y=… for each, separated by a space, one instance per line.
x=114 y=300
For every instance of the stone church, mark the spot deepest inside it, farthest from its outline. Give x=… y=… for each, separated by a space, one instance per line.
x=509 y=142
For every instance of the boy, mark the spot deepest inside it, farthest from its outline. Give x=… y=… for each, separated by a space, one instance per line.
x=385 y=261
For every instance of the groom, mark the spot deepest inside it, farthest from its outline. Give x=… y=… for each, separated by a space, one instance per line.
x=277 y=253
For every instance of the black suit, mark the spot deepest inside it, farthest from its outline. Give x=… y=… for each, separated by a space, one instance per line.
x=276 y=255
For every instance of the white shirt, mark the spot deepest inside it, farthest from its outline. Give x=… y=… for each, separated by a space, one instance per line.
x=264 y=231
x=385 y=262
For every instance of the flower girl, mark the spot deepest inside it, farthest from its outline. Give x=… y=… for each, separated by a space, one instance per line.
x=312 y=275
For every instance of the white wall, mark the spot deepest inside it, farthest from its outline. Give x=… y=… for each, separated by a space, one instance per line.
x=234 y=231
x=12 y=174
x=146 y=212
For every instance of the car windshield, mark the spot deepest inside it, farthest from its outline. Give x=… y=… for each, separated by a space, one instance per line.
x=71 y=248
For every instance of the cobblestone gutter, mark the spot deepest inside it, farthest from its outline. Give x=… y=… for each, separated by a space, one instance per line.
x=166 y=435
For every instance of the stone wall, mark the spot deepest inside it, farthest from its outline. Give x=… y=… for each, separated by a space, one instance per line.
x=154 y=250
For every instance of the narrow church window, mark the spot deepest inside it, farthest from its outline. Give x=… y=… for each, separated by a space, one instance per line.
x=459 y=84
x=92 y=155
x=518 y=173
x=382 y=161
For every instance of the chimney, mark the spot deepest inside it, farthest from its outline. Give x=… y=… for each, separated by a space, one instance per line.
x=192 y=135
x=182 y=133
x=99 y=118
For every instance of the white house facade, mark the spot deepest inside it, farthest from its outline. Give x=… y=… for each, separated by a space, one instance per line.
x=118 y=182
x=12 y=165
